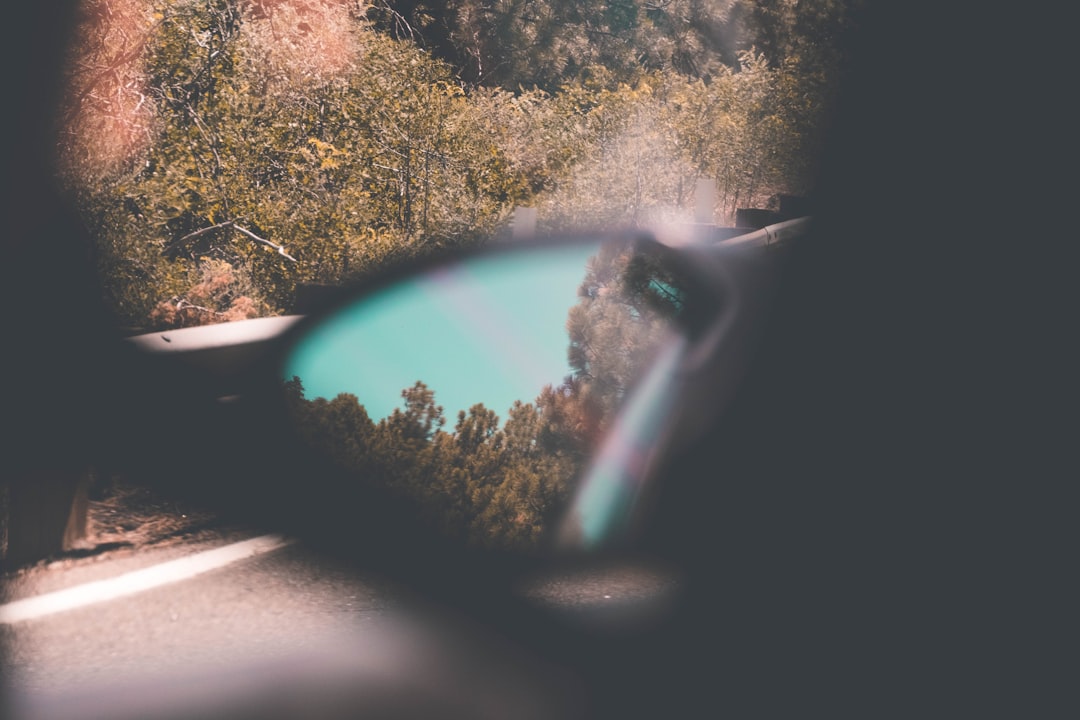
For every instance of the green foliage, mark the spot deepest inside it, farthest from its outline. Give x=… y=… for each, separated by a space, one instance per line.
x=546 y=43
x=287 y=142
x=805 y=31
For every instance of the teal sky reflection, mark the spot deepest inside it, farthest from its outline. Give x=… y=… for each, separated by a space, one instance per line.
x=488 y=330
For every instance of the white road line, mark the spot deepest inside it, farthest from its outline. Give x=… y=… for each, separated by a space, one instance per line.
x=137 y=581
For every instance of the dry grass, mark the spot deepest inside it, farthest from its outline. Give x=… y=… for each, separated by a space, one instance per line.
x=136 y=517
x=129 y=518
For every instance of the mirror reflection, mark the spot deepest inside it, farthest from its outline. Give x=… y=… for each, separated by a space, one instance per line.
x=482 y=388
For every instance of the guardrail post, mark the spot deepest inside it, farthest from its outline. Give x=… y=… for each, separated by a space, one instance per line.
x=523 y=223
x=705 y=202
x=48 y=513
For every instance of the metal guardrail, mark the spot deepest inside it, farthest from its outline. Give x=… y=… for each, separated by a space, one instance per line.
x=772 y=235
x=215 y=358
x=209 y=337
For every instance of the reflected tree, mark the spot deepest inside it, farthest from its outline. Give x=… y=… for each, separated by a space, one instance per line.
x=625 y=302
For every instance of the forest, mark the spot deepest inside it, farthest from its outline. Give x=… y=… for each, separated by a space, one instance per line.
x=221 y=152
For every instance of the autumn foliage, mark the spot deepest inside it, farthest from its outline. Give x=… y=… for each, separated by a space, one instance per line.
x=217 y=298
x=340 y=134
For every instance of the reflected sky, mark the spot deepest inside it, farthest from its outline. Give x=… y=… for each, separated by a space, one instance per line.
x=488 y=330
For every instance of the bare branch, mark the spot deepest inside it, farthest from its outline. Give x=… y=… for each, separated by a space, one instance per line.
x=183 y=304
x=253 y=236
x=203 y=231
x=243 y=230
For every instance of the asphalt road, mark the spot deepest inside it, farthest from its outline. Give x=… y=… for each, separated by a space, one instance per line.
x=285 y=611
x=272 y=605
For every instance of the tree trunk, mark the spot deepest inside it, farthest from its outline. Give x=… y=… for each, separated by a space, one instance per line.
x=48 y=513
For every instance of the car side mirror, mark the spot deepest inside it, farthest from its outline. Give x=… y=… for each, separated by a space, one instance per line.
x=523 y=395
